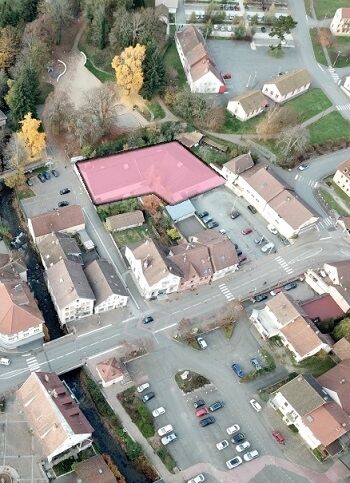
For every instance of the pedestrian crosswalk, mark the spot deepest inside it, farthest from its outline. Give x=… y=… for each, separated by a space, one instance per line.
x=226 y=292
x=326 y=223
x=311 y=182
x=283 y=264
x=33 y=364
x=334 y=75
x=345 y=107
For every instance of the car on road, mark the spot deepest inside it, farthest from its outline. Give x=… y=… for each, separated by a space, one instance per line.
x=227 y=75
x=255 y=363
x=303 y=166
x=272 y=229
x=41 y=178
x=202 y=214
x=148 y=396
x=277 y=436
x=234 y=462
x=5 y=361
x=250 y=455
x=222 y=445
x=168 y=439
x=235 y=214
x=290 y=286
x=46 y=175
x=199 y=403
x=55 y=173
x=64 y=191
x=148 y=319
x=206 y=421
x=238 y=438
x=29 y=182
x=202 y=412
x=201 y=342
x=255 y=405
x=241 y=447
x=275 y=291
x=142 y=387
x=252 y=209
x=239 y=252
x=260 y=297
x=158 y=412
x=61 y=204
x=216 y=405
x=165 y=430
x=237 y=369
x=232 y=429
x=246 y=231
x=197 y=479
x=212 y=224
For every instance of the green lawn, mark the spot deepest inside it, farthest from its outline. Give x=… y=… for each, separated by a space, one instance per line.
x=331 y=203
x=327 y=8
x=318 y=51
x=329 y=128
x=25 y=193
x=173 y=64
x=308 y=4
x=233 y=125
x=309 y=104
x=156 y=109
x=133 y=235
x=167 y=459
x=137 y=411
x=317 y=365
x=102 y=75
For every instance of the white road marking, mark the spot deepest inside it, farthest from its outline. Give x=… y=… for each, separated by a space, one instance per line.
x=106 y=352
x=326 y=238
x=164 y=328
x=95 y=330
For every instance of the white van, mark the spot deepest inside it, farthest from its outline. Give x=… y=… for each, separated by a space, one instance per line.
x=268 y=247
x=4 y=361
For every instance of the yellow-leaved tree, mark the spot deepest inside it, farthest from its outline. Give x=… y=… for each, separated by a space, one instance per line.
x=128 y=69
x=34 y=140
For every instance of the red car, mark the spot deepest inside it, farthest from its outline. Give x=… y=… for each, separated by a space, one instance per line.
x=246 y=231
x=227 y=76
x=278 y=437
x=202 y=412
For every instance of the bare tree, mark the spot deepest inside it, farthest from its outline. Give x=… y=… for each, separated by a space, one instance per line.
x=276 y=120
x=60 y=114
x=184 y=329
x=293 y=141
x=101 y=108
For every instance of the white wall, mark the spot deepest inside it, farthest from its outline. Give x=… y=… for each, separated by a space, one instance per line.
x=23 y=337
x=271 y=91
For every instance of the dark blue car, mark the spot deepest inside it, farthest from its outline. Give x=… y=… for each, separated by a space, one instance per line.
x=238 y=370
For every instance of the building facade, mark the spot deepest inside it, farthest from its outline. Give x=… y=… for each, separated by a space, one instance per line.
x=247 y=105
x=342 y=177
x=287 y=86
x=340 y=25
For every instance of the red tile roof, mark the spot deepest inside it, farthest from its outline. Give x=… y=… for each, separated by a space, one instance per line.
x=324 y=308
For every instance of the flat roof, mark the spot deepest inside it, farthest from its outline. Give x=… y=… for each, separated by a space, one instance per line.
x=168 y=170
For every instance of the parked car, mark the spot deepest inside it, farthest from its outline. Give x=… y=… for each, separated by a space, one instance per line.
x=247 y=231
x=241 y=447
x=168 y=439
x=201 y=342
x=255 y=405
x=5 y=361
x=275 y=291
x=252 y=209
x=239 y=253
x=148 y=396
x=263 y=29
x=47 y=175
x=233 y=429
x=61 y=204
x=216 y=405
x=242 y=259
x=197 y=479
x=206 y=421
x=268 y=247
x=234 y=462
x=202 y=214
x=290 y=286
x=212 y=224
x=227 y=75
x=207 y=219
x=142 y=387
x=64 y=191
x=260 y=297
x=165 y=430
x=29 y=182
x=55 y=173
x=250 y=455
x=238 y=438
x=259 y=240
x=277 y=436
x=199 y=403
x=41 y=178
x=272 y=229
x=148 y=319
x=303 y=166
x=222 y=444
x=222 y=231
x=202 y=412
x=237 y=369
x=256 y=364
x=322 y=273
x=235 y=214
x=158 y=412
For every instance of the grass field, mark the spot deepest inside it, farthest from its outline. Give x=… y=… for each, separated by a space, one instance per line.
x=102 y=75
x=327 y=8
x=133 y=235
x=156 y=109
x=319 y=54
x=329 y=128
x=233 y=125
x=309 y=104
x=331 y=203
x=173 y=63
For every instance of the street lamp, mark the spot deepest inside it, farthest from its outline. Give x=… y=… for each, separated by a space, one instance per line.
x=339 y=52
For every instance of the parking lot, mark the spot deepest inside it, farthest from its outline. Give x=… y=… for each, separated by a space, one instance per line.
x=220 y=203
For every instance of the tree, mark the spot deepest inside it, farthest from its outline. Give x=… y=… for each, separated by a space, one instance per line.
x=3 y=88
x=120 y=35
x=101 y=108
x=23 y=95
x=193 y=18
x=34 y=140
x=325 y=37
x=293 y=141
x=9 y=46
x=99 y=27
x=240 y=31
x=173 y=233
x=59 y=14
x=59 y=114
x=342 y=329
x=128 y=69
x=13 y=12
x=275 y=121
x=16 y=156
x=151 y=203
x=153 y=72
x=36 y=46
x=282 y=26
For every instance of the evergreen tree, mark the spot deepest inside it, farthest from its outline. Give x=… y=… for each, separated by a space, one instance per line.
x=153 y=72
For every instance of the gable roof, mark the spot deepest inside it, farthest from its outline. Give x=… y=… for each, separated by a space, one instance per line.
x=124 y=220
x=263 y=182
x=189 y=139
x=288 y=82
x=284 y=308
x=57 y=220
x=342 y=348
x=110 y=369
x=337 y=379
x=192 y=260
x=343 y=272
x=57 y=246
x=291 y=209
x=344 y=168
x=222 y=251
x=239 y=164
x=304 y=393
x=104 y=280
x=302 y=336
x=345 y=12
x=250 y=100
x=68 y=282
x=94 y=470
x=18 y=309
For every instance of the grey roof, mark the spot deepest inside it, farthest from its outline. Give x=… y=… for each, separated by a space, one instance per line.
x=305 y=394
x=185 y=208
x=68 y=283
x=104 y=280
x=57 y=246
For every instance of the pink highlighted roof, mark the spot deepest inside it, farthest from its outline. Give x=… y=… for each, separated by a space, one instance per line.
x=168 y=170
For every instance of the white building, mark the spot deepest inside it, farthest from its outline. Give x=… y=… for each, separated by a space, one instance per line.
x=108 y=288
x=201 y=72
x=247 y=105
x=154 y=272
x=110 y=371
x=286 y=86
x=342 y=177
x=70 y=291
x=340 y=25
x=54 y=418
